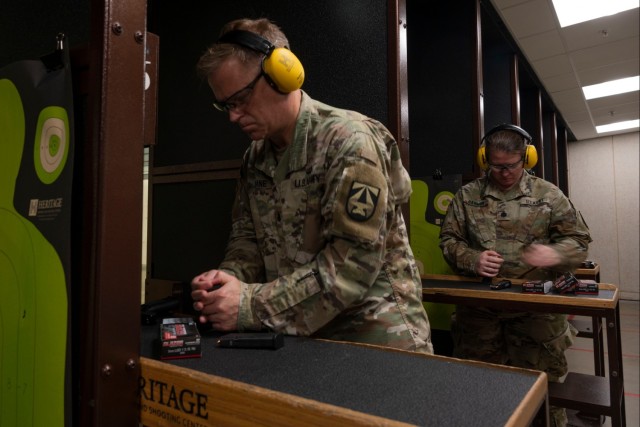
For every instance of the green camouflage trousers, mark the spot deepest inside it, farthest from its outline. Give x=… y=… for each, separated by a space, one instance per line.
x=526 y=340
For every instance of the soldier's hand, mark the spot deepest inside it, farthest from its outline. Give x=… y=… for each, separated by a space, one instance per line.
x=204 y=281
x=489 y=263
x=538 y=255
x=217 y=297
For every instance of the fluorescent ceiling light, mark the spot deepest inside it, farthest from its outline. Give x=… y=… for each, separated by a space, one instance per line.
x=612 y=87
x=575 y=11
x=629 y=124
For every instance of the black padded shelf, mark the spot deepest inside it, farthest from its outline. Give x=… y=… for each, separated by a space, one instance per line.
x=582 y=392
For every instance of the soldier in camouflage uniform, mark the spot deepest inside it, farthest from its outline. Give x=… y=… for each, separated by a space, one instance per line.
x=512 y=224
x=318 y=245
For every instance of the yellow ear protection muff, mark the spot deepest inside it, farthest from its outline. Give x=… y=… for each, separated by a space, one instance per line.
x=281 y=68
x=530 y=154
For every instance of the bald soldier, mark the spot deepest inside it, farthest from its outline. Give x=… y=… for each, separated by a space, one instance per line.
x=318 y=245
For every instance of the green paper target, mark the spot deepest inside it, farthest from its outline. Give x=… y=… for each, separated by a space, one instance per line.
x=441 y=202
x=51 y=143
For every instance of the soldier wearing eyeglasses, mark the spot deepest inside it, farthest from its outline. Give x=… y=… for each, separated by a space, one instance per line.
x=512 y=224
x=318 y=245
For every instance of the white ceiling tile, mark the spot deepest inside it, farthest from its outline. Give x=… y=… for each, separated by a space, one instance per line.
x=542 y=45
x=610 y=53
x=606 y=72
x=601 y=31
x=571 y=100
x=552 y=66
x=612 y=101
x=583 y=129
x=561 y=82
x=605 y=119
x=564 y=59
x=577 y=116
x=532 y=17
x=630 y=108
x=503 y=4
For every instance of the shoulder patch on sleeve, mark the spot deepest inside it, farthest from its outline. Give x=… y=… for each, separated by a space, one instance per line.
x=362 y=202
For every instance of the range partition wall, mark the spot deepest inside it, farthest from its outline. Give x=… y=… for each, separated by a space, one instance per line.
x=445 y=76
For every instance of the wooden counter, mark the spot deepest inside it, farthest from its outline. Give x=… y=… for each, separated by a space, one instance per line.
x=317 y=382
x=594 y=394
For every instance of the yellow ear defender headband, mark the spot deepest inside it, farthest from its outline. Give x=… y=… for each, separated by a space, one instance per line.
x=530 y=154
x=281 y=68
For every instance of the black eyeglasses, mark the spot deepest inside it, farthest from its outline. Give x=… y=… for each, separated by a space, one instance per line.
x=509 y=167
x=238 y=99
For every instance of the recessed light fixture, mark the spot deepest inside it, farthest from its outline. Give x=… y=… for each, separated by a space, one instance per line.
x=612 y=87
x=629 y=124
x=572 y=12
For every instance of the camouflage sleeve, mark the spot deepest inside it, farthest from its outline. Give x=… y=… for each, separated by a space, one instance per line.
x=568 y=234
x=454 y=241
x=241 y=258
x=355 y=225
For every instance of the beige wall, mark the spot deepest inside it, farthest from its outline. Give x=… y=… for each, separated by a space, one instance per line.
x=603 y=185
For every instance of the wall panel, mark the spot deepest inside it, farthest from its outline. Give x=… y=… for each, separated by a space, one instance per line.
x=604 y=185
x=441 y=41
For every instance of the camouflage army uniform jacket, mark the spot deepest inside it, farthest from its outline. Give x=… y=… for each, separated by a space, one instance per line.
x=318 y=238
x=482 y=217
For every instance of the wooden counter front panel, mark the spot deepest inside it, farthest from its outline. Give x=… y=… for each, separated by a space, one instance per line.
x=172 y=396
